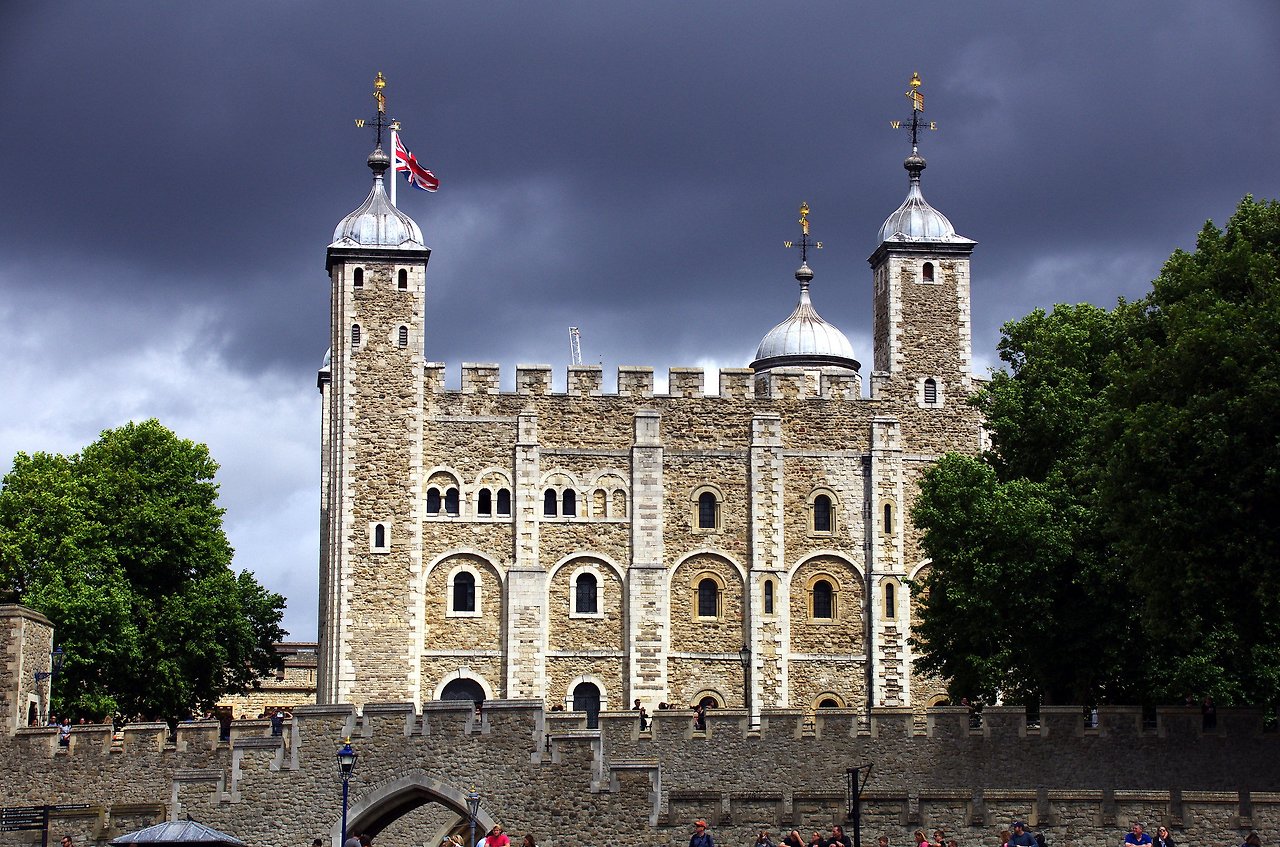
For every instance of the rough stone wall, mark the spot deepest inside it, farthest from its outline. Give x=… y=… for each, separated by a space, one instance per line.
x=26 y=639
x=547 y=775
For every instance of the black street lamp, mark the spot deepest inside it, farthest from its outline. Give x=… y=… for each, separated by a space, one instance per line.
x=744 y=655
x=854 y=788
x=346 y=764
x=473 y=808
x=56 y=657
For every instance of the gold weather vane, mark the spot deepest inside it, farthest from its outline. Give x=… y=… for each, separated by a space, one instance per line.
x=379 y=121
x=804 y=242
x=917 y=107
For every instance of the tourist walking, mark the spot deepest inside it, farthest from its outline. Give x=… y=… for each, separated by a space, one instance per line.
x=1022 y=838
x=920 y=839
x=700 y=837
x=1135 y=837
x=763 y=839
x=838 y=838
x=1163 y=838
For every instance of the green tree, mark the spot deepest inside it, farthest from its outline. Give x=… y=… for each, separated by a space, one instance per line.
x=1192 y=481
x=122 y=547
x=1024 y=597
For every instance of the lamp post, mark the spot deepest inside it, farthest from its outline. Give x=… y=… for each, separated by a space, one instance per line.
x=56 y=657
x=346 y=764
x=744 y=656
x=473 y=808
x=854 y=790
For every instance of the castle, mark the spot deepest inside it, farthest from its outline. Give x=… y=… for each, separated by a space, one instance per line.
x=747 y=548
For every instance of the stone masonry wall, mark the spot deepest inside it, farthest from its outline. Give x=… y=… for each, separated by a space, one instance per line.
x=548 y=775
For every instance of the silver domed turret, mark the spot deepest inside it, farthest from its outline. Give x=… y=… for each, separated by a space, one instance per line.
x=915 y=219
x=377 y=223
x=804 y=339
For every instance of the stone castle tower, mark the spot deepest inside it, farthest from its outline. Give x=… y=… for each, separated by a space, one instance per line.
x=749 y=548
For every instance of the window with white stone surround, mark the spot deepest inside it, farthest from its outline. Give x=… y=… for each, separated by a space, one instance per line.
x=585 y=597
x=464 y=592
x=929 y=393
x=380 y=537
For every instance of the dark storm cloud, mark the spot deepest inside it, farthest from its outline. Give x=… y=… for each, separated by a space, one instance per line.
x=173 y=172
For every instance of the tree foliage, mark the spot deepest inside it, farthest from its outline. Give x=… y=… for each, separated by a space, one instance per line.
x=1117 y=542
x=122 y=547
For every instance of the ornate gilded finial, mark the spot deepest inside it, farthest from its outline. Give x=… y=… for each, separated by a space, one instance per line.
x=917 y=106
x=804 y=242
x=379 y=120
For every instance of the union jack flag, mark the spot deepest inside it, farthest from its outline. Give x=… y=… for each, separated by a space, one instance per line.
x=414 y=173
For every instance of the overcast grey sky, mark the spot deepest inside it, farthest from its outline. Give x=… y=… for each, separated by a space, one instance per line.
x=171 y=174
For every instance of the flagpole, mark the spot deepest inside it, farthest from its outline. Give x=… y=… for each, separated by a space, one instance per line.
x=395 y=175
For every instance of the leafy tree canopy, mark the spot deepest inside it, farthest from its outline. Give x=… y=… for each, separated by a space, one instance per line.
x=1118 y=541
x=122 y=547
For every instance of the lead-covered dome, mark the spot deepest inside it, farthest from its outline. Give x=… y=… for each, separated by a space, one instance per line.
x=915 y=219
x=376 y=223
x=804 y=339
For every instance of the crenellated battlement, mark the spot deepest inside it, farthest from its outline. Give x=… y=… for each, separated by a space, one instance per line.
x=784 y=769
x=637 y=381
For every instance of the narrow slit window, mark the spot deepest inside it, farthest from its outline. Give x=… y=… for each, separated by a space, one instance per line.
x=768 y=597
x=931 y=392
x=549 y=503
x=357 y=278
x=890 y=600
x=570 y=503
x=380 y=536
x=822 y=513
x=355 y=335
x=708 y=598
x=484 y=505
x=927 y=273
x=464 y=592
x=823 y=600
x=451 y=501
x=585 y=594
x=888 y=518
x=708 y=510
x=402 y=280
x=504 y=501
x=402 y=337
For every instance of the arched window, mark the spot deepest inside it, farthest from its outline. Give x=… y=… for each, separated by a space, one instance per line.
x=380 y=535
x=768 y=597
x=619 y=504
x=484 y=503
x=549 y=503
x=822 y=513
x=585 y=595
x=451 y=501
x=708 y=598
x=586 y=698
x=828 y=703
x=708 y=511
x=599 y=503
x=355 y=335
x=931 y=392
x=402 y=337
x=402 y=279
x=433 y=501
x=570 y=501
x=888 y=519
x=464 y=592
x=504 y=501
x=927 y=272
x=357 y=278
x=823 y=600
x=890 y=600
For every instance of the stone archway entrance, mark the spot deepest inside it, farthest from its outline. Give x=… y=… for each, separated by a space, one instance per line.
x=415 y=809
x=586 y=698
x=464 y=689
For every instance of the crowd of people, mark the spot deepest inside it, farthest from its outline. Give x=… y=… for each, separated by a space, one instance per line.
x=1018 y=835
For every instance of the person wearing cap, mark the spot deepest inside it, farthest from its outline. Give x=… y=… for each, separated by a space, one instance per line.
x=1020 y=837
x=1135 y=836
x=700 y=837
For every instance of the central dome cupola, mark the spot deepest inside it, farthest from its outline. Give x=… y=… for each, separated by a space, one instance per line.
x=804 y=340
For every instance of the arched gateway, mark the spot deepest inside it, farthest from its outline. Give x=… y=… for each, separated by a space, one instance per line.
x=382 y=807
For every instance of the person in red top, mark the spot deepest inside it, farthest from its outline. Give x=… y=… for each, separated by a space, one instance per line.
x=497 y=838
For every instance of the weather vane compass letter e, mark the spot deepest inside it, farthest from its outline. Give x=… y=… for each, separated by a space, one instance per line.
x=805 y=242
x=917 y=107
x=379 y=120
